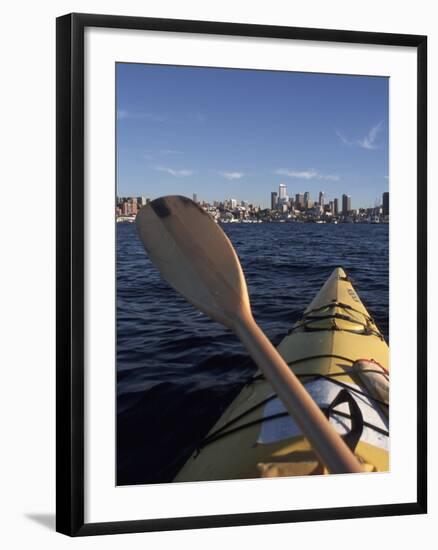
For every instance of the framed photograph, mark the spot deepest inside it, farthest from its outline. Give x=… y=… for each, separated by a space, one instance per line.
x=241 y=274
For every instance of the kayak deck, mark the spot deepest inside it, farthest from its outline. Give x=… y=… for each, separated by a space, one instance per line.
x=255 y=437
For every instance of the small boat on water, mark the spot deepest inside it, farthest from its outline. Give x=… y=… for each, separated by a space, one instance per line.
x=125 y=219
x=341 y=357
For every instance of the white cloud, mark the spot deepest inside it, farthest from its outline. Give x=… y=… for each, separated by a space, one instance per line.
x=232 y=175
x=123 y=114
x=165 y=152
x=173 y=172
x=367 y=142
x=306 y=174
x=344 y=140
x=150 y=154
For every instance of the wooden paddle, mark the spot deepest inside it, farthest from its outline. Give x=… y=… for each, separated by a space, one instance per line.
x=197 y=259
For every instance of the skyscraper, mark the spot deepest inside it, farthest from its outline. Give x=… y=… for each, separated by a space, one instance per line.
x=307 y=200
x=282 y=192
x=274 y=200
x=299 y=200
x=336 y=207
x=321 y=198
x=331 y=207
x=385 y=203
x=346 y=204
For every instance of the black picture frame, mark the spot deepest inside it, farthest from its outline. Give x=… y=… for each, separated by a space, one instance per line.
x=70 y=272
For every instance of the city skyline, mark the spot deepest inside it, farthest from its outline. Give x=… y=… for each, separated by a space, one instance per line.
x=301 y=201
x=279 y=196
x=242 y=133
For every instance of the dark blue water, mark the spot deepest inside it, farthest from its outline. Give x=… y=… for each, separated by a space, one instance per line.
x=177 y=371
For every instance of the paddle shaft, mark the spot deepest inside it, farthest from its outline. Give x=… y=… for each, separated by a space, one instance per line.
x=326 y=442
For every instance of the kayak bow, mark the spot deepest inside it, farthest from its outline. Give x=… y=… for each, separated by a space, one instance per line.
x=341 y=357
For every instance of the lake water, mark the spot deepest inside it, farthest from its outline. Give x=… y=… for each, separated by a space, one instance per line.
x=177 y=370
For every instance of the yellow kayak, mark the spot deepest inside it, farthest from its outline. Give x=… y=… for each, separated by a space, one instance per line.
x=341 y=357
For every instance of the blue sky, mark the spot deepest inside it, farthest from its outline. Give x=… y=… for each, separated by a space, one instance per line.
x=226 y=133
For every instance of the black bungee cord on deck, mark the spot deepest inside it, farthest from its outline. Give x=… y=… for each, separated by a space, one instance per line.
x=224 y=431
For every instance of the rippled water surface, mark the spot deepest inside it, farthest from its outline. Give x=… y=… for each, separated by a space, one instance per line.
x=177 y=371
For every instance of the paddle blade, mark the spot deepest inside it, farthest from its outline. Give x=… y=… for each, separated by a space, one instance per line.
x=195 y=257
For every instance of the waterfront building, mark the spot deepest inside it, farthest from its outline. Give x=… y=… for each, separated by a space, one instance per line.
x=346 y=204
x=141 y=201
x=321 y=198
x=274 y=200
x=133 y=206
x=336 y=207
x=385 y=203
x=233 y=204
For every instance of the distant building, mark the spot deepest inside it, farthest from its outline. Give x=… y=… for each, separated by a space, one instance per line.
x=331 y=207
x=308 y=203
x=336 y=207
x=321 y=198
x=141 y=201
x=233 y=204
x=385 y=203
x=274 y=200
x=195 y=197
x=282 y=195
x=346 y=204
x=299 y=201
x=282 y=192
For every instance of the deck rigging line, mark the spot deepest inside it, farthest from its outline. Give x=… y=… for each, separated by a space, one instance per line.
x=224 y=431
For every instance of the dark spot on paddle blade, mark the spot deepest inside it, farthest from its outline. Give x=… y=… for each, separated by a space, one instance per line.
x=160 y=207
x=185 y=200
x=189 y=202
